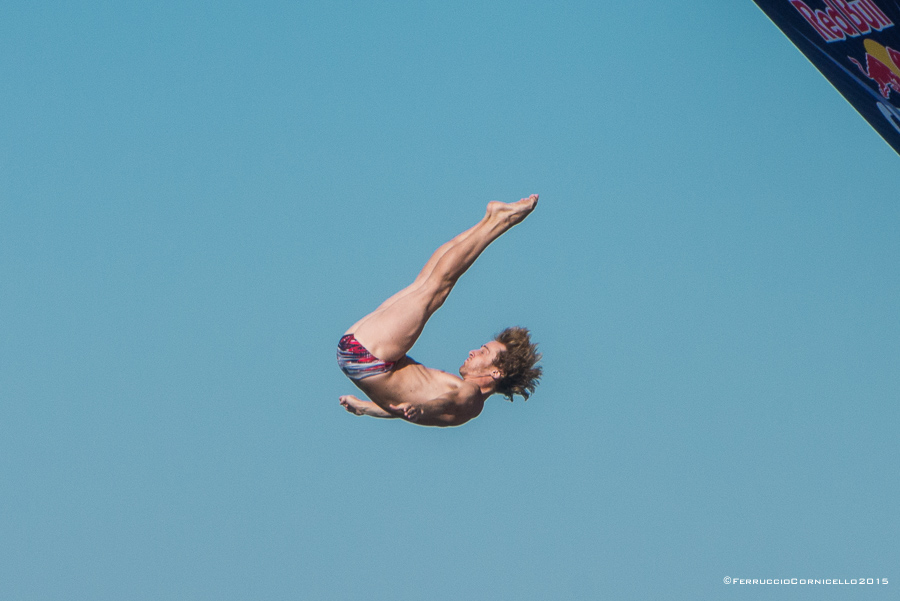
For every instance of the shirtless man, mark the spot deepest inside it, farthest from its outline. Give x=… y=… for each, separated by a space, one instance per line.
x=372 y=352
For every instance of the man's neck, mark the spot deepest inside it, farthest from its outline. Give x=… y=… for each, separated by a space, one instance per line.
x=486 y=384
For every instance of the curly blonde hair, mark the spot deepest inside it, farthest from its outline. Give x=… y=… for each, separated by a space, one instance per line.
x=517 y=364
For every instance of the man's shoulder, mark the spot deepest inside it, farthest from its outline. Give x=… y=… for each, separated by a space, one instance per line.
x=470 y=399
x=469 y=395
x=468 y=390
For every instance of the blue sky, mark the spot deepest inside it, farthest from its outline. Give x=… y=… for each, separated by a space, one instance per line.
x=196 y=200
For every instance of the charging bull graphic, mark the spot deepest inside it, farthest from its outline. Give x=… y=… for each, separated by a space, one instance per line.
x=856 y=46
x=881 y=67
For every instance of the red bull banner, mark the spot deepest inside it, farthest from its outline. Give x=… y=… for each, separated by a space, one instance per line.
x=856 y=45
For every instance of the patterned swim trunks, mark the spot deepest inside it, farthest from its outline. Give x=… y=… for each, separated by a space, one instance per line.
x=357 y=362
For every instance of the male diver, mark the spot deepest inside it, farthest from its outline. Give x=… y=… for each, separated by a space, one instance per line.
x=372 y=352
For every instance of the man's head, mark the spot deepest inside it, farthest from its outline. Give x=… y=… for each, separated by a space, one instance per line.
x=517 y=363
x=480 y=362
x=509 y=361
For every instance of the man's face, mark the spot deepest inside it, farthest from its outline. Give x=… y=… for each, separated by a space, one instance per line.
x=481 y=360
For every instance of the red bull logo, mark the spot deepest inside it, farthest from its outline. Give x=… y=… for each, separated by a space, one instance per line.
x=881 y=67
x=842 y=19
x=872 y=83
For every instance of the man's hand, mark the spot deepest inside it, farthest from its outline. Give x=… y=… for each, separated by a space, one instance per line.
x=352 y=404
x=360 y=407
x=407 y=410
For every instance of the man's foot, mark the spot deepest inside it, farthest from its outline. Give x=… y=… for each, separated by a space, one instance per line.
x=511 y=212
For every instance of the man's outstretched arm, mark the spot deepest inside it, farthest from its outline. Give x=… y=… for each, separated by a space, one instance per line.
x=446 y=410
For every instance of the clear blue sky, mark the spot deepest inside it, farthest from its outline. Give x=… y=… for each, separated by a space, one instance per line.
x=197 y=199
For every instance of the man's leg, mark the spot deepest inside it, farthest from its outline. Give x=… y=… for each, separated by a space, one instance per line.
x=392 y=329
x=420 y=279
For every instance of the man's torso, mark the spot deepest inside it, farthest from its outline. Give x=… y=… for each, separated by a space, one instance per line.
x=412 y=382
